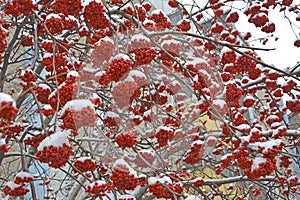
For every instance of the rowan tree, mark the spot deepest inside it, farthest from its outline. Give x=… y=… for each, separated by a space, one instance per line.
x=114 y=100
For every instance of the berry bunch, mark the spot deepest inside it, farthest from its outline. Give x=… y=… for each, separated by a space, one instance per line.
x=85 y=164
x=126 y=140
x=14 y=189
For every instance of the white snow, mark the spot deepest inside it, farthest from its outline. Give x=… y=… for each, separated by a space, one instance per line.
x=82 y=159
x=193 y=197
x=12 y=185
x=53 y=15
x=57 y=139
x=111 y=114
x=121 y=55
x=136 y=73
x=126 y=196
x=77 y=104
x=47 y=106
x=2 y=142
x=267 y=145
x=72 y=73
x=23 y=174
x=6 y=98
x=257 y=161
x=219 y=102
x=139 y=37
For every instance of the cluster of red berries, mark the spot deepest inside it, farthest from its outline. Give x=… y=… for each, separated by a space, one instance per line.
x=23 y=177
x=228 y=57
x=14 y=189
x=58 y=60
x=144 y=56
x=99 y=188
x=69 y=7
x=95 y=15
x=55 y=156
x=103 y=50
x=42 y=94
x=47 y=111
x=28 y=77
x=3 y=146
x=26 y=40
x=159 y=190
x=233 y=94
x=75 y=119
x=113 y=2
x=111 y=121
x=164 y=135
x=263 y=169
x=64 y=94
x=145 y=159
x=125 y=92
x=173 y=3
x=118 y=67
x=7 y=110
x=85 y=164
x=34 y=140
x=141 y=12
x=195 y=153
x=233 y=17
x=285 y=161
x=161 y=20
x=123 y=179
x=62 y=46
x=11 y=129
x=126 y=140
x=184 y=25
x=19 y=7
x=55 y=24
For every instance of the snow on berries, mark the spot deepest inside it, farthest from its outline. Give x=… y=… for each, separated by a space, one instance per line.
x=78 y=113
x=13 y=189
x=85 y=164
x=7 y=107
x=23 y=177
x=126 y=140
x=3 y=146
x=99 y=188
x=55 y=150
x=163 y=187
x=125 y=177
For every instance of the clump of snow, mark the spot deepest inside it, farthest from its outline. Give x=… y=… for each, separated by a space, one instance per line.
x=82 y=159
x=57 y=140
x=257 y=161
x=111 y=114
x=72 y=73
x=23 y=175
x=77 y=104
x=6 y=98
x=193 y=197
x=53 y=15
x=139 y=37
